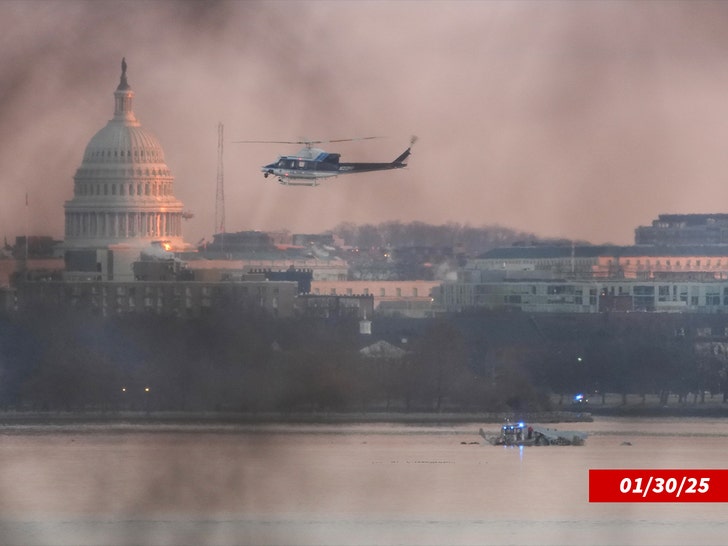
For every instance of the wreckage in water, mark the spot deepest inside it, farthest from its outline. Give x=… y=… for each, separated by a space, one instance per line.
x=521 y=434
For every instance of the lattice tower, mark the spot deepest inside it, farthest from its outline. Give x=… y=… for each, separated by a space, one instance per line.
x=220 y=193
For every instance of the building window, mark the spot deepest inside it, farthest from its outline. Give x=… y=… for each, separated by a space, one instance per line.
x=644 y=297
x=712 y=298
x=663 y=293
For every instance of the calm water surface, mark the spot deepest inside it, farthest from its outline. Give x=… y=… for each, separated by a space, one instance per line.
x=344 y=485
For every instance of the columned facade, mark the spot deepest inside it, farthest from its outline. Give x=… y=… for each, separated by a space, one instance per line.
x=122 y=226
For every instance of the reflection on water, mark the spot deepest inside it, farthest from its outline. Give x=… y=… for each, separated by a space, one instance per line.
x=343 y=484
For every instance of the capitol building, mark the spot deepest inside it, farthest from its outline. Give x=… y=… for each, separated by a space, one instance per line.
x=123 y=200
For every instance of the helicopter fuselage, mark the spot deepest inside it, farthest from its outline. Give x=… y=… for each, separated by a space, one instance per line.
x=312 y=164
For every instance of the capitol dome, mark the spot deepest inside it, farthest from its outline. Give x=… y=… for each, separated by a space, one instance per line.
x=121 y=140
x=123 y=190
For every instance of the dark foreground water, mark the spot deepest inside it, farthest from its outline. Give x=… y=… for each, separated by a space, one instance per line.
x=343 y=485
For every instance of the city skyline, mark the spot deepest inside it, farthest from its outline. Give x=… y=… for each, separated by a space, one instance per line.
x=561 y=119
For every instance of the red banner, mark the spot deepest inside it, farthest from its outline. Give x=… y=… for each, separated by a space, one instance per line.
x=661 y=485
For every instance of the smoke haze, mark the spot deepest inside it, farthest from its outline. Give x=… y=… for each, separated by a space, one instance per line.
x=565 y=119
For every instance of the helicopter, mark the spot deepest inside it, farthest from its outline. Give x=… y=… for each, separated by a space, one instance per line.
x=312 y=164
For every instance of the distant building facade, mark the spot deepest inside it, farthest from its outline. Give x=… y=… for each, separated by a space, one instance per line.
x=224 y=244
x=407 y=298
x=321 y=269
x=684 y=229
x=574 y=296
x=688 y=262
x=317 y=306
x=590 y=279
x=185 y=299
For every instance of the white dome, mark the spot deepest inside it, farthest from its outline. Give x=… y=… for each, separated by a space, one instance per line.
x=123 y=190
x=122 y=142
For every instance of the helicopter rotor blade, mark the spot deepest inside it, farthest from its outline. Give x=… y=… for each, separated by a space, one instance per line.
x=352 y=139
x=304 y=142
x=274 y=142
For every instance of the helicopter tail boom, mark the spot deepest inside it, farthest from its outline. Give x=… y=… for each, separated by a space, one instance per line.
x=403 y=156
x=398 y=163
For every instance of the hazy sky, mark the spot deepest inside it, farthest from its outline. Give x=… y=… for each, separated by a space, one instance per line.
x=566 y=119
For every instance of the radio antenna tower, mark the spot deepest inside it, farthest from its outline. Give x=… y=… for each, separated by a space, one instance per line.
x=220 y=194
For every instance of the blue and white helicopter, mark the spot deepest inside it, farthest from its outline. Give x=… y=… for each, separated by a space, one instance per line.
x=311 y=164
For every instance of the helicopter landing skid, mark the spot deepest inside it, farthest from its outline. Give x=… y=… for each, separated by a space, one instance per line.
x=288 y=182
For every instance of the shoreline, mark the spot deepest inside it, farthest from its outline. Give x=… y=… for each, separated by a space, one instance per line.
x=232 y=418
x=15 y=418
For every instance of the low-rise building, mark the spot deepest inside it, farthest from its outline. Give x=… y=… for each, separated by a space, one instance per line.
x=684 y=229
x=327 y=306
x=581 y=296
x=406 y=298
x=174 y=298
x=589 y=279
x=322 y=270
x=689 y=262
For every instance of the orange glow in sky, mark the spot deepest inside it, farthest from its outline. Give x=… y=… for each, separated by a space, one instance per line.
x=564 y=119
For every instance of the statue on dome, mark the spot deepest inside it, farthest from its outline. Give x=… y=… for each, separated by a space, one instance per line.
x=123 y=84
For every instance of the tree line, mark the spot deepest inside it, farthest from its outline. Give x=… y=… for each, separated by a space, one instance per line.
x=473 y=240
x=62 y=360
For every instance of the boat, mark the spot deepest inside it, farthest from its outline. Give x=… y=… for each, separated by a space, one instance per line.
x=521 y=434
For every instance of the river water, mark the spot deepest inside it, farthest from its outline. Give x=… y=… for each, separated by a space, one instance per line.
x=365 y=484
